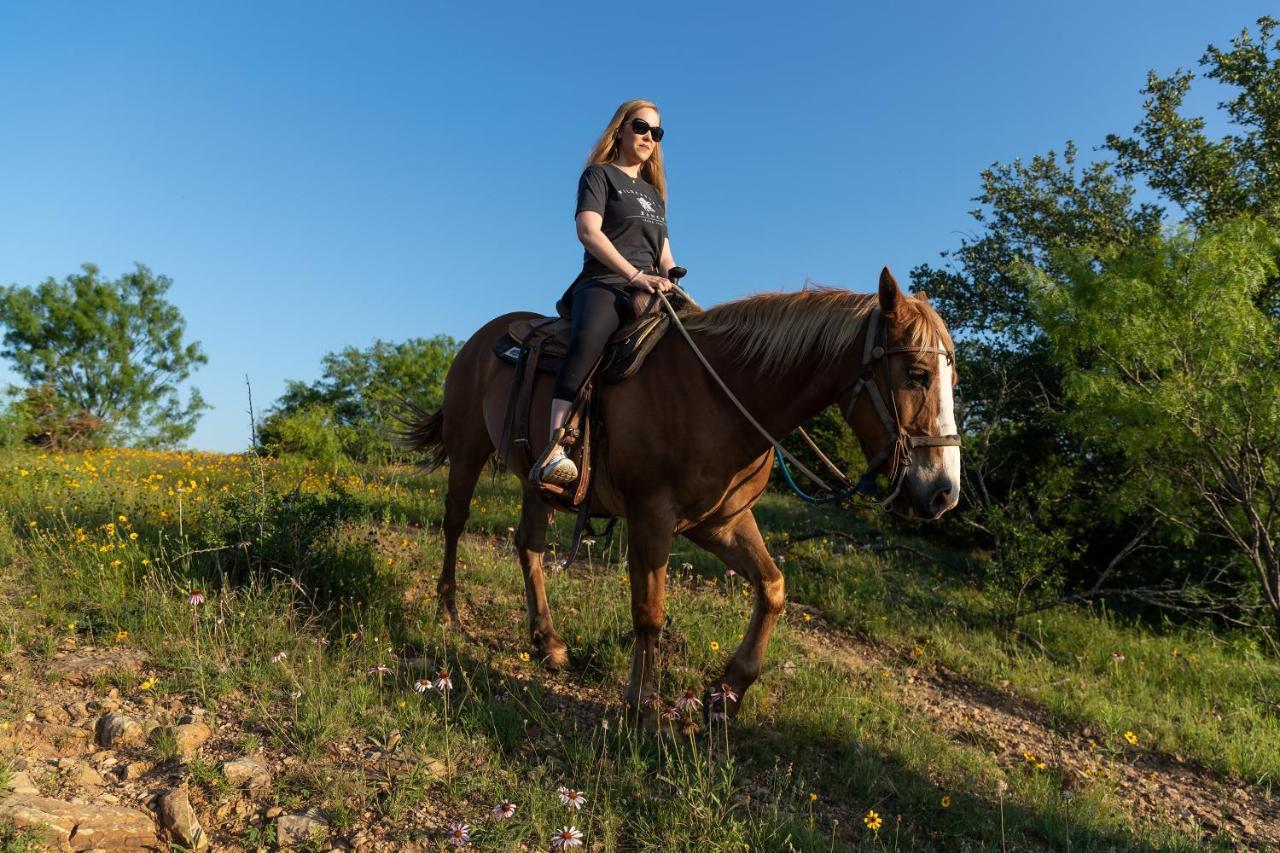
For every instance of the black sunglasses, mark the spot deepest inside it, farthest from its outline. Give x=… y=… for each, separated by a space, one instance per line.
x=640 y=127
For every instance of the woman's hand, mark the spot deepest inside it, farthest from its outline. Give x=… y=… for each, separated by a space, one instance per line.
x=651 y=283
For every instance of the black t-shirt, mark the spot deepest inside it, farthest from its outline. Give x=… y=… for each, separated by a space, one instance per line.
x=635 y=218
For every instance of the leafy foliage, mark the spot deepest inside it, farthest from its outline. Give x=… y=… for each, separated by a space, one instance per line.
x=1058 y=216
x=104 y=351
x=1170 y=361
x=356 y=396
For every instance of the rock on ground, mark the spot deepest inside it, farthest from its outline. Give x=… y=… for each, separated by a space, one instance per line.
x=188 y=737
x=116 y=729
x=176 y=816
x=85 y=665
x=300 y=830
x=19 y=783
x=82 y=826
x=247 y=772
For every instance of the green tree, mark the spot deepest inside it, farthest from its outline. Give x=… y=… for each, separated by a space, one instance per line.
x=1168 y=359
x=1038 y=213
x=108 y=350
x=359 y=391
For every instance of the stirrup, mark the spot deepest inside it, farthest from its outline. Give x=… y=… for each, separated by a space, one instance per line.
x=558 y=471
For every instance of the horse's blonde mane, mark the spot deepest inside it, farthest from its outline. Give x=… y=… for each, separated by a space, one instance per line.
x=775 y=331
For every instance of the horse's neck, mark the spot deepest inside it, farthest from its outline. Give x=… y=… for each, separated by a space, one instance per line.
x=779 y=401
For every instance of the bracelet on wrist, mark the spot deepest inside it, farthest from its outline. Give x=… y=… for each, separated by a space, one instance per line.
x=635 y=276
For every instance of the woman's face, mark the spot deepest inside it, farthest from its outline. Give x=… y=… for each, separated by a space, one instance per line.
x=632 y=145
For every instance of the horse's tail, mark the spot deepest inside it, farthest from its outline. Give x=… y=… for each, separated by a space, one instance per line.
x=422 y=431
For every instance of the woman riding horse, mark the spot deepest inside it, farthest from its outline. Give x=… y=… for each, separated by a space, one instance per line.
x=621 y=218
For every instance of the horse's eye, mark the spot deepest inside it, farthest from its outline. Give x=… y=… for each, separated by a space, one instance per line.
x=918 y=377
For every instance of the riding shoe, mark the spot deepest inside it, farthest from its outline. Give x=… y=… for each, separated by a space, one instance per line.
x=559 y=470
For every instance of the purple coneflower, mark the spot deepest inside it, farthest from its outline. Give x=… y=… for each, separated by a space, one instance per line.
x=728 y=573
x=566 y=837
x=422 y=685
x=504 y=809
x=196 y=598
x=459 y=834
x=719 y=717
x=1117 y=656
x=689 y=701
x=280 y=657
x=571 y=798
x=443 y=681
x=669 y=714
x=380 y=669
x=725 y=694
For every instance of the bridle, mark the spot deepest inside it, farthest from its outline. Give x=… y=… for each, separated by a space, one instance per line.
x=899 y=443
x=899 y=447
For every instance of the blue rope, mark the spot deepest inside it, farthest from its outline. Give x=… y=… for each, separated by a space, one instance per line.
x=865 y=486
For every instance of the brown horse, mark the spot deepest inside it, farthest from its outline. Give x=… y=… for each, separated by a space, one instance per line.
x=679 y=459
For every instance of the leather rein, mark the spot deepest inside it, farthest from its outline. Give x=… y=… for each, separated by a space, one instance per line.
x=897 y=451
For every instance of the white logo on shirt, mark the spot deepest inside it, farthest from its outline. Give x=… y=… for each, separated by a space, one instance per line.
x=646 y=204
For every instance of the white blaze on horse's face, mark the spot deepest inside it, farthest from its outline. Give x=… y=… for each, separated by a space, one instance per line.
x=934 y=481
x=947 y=426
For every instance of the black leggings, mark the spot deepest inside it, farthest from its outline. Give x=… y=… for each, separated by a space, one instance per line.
x=596 y=313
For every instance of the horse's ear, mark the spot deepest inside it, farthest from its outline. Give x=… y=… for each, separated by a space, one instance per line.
x=890 y=294
x=923 y=297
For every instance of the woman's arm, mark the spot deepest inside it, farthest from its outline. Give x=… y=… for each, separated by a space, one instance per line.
x=602 y=249
x=599 y=246
x=667 y=261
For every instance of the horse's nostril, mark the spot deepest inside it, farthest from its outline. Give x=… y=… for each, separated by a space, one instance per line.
x=941 y=499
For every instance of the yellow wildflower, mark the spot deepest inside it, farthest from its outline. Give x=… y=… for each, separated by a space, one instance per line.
x=715 y=647
x=1132 y=738
x=946 y=801
x=873 y=821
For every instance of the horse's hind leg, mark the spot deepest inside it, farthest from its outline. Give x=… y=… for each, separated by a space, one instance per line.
x=465 y=467
x=531 y=545
x=738 y=543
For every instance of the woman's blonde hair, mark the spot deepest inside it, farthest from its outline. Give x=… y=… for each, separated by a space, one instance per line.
x=607 y=146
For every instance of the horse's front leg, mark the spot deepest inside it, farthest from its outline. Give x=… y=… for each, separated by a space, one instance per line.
x=649 y=547
x=738 y=543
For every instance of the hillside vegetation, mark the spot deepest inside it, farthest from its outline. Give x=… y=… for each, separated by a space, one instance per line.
x=894 y=712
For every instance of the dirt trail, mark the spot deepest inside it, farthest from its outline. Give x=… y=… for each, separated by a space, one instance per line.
x=1161 y=788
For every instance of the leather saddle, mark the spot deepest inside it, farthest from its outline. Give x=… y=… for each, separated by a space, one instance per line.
x=539 y=345
x=623 y=354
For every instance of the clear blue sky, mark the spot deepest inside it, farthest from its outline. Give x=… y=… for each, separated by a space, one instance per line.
x=315 y=175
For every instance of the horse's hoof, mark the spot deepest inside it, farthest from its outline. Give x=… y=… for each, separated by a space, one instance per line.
x=448 y=615
x=644 y=715
x=720 y=703
x=555 y=658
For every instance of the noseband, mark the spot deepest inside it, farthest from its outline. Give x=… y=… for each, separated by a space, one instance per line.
x=897 y=450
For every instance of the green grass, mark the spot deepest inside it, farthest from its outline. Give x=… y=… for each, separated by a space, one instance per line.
x=338 y=574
